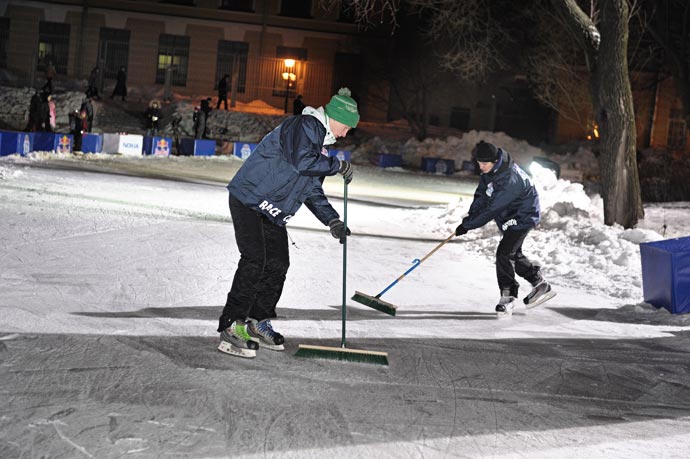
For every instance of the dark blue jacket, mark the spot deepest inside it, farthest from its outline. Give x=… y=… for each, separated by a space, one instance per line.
x=506 y=195
x=286 y=170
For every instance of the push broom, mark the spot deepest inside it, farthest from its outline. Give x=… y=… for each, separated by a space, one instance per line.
x=342 y=352
x=376 y=302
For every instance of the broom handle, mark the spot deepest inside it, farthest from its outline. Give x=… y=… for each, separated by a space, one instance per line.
x=344 y=314
x=415 y=263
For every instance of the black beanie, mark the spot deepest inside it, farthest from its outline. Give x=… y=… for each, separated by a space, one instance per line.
x=485 y=152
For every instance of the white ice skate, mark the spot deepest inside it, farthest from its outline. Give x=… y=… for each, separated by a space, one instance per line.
x=541 y=293
x=505 y=306
x=234 y=340
x=264 y=334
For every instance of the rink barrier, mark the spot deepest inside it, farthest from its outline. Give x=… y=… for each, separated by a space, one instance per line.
x=92 y=143
x=243 y=149
x=666 y=274
x=197 y=147
x=13 y=142
x=387 y=160
x=343 y=155
x=157 y=146
x=438 y=166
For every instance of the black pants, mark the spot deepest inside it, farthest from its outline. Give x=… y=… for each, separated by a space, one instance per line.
x=223 y=99
x=264 y=262
x=511 y=261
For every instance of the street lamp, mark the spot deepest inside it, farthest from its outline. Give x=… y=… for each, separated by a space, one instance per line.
x=288 y=76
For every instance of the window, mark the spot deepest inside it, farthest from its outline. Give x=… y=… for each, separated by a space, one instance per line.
x=460 y=118
x=113 y=51
x=231 y=53
x=53 y=46
x=238 y=5
x=296 y=8
x=173 y=52
x=676 y=131
x=286 y=75
x=4 y=37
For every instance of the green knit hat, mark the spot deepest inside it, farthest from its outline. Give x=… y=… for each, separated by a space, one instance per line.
x=343 y=108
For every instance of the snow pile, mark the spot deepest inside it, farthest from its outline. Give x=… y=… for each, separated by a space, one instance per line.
x=14 y=107
x=571 y=239
x=7 y=172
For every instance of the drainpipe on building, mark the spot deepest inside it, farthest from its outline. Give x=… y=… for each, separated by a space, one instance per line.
x=264 y=20
x=79 y=61
x=234 y=76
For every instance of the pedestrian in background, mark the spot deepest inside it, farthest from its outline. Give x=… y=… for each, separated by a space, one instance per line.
x=77 y=127
x=120 y=84
x=33 y=124
x=52 y=116
x=87 y=107
x=202 y=118
x=298 y=105
x=152 y=114
x=92 y=88
x=223 y=91
x=285 y=170
x=50 y=74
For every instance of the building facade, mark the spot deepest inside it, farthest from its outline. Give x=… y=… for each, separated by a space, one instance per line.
x=272 y=50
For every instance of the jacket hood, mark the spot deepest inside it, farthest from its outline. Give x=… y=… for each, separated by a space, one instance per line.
x=320 y=114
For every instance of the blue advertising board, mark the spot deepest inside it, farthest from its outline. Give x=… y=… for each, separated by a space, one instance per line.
x=343 y=155
x=243 y=149
x=157 y=146
x=13 y=143
x=92 y=143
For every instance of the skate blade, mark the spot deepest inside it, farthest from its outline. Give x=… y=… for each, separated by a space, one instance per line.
x=505 y=314
x=543 y=299
x=264 y=345
x=228 y=348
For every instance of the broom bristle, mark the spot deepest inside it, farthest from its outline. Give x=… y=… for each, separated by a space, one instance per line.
x=341 y=353
x=375 y=303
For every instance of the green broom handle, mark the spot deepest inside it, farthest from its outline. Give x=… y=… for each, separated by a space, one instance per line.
x=344 y=261
x=415 y=263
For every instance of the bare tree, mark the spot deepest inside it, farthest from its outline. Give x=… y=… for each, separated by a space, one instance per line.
x=474 y=43
x=365 y=12
x=668 y=22
x=556 y=73
x=603 y=36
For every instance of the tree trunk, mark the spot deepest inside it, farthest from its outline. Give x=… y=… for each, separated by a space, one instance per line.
x=606 y=51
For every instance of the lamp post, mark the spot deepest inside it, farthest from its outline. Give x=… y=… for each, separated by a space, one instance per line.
x=288 y=76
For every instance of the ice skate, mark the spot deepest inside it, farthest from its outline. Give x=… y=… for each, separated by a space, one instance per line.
x=541 y=292
x=263 y=334
x=505 y=306
x=234 y=340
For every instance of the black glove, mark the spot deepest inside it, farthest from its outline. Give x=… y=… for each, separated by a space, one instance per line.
x=460 y=230
x=338 y=230
x=346 y=171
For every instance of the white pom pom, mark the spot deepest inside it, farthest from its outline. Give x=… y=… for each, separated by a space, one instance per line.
x=344 y=92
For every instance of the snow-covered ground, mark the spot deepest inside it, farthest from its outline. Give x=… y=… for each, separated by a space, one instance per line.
x=112 y=282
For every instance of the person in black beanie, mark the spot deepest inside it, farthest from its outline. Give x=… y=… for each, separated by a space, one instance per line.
x=507 y=195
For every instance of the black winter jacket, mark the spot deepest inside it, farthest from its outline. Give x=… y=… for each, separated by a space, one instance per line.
x=287 y=170
x=506 y=195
